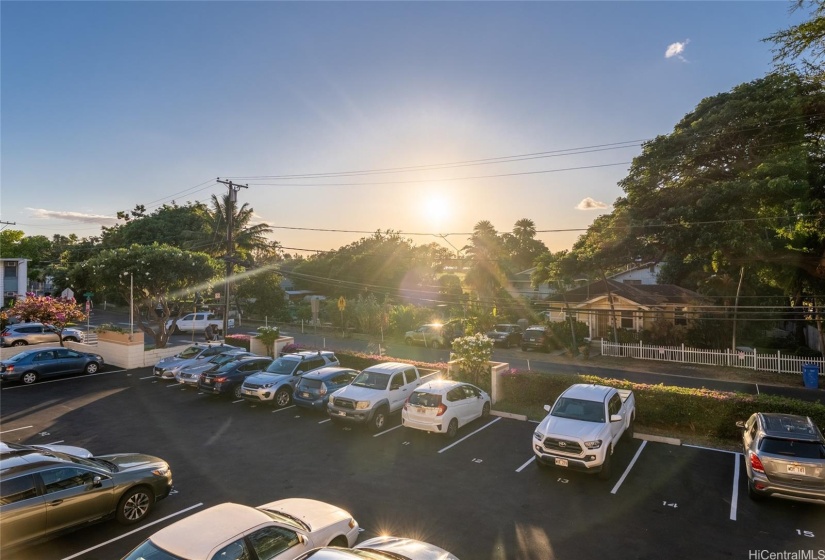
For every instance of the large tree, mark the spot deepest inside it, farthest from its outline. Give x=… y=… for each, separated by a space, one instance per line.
x=170 y=224
x=804 y=42
x=522 y=246
x=149 y=275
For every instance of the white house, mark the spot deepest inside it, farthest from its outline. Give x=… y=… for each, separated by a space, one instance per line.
x=14 y=280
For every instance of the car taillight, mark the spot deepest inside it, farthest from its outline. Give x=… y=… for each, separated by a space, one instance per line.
x=221 y=379
x=9 y=368
x=442 y=408
x=5 y=333
x=756 y=464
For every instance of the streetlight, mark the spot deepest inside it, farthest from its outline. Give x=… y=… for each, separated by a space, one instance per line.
x=131 y=304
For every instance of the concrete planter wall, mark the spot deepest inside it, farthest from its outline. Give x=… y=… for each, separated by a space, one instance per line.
x=258 y=347
x=121 y=337
x=497 y=369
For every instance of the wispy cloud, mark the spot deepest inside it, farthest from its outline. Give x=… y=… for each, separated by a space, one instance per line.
x=73 y=216
x=590 y=204
x=676 y=50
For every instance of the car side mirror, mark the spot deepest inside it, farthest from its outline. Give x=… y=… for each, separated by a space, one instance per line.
x=547 y=408
x=615 y=417
x=302 y=538
x=96 y=482
x=740 y=424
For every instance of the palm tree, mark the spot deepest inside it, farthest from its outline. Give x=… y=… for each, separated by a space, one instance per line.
x=248 y=239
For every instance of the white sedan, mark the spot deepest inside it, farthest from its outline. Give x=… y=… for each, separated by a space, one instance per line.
x=443 y=406
x=281 y=530
x=382 y=548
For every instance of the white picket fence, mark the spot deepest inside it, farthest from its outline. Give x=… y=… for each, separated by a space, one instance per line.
x=777 y=363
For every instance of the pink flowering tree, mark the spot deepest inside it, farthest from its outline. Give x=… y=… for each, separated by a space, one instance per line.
x=58 y=312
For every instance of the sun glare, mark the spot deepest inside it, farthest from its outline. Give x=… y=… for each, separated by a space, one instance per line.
x=436 y=208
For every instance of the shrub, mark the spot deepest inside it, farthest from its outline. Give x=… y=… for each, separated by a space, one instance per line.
x=239 y=340
x=109 y=327
x=473 y=354
x=268 y=335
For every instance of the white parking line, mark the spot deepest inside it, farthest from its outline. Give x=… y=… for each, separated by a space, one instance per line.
x=521 y=468
x=15 y=429
x=284 y=408
x=735 y=497
x=387 y=431
x=236 y=402
x=110 y=541
x=325 y=421
x=488 y=424
x=630 y=466
x=55 y=442
x=711 y=449
x=174 y=385
x=81 y=376
x=150 y=377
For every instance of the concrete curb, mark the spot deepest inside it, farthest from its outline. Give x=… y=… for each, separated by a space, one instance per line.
x=658 y=439
x=521 y=417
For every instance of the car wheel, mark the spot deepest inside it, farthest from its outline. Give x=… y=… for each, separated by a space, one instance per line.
x=452 y=429
x=485 y=411
x=340 y=541
x=70 y=339
x=236 y=392
x=19 y=343
x=379 y=420
x=134 y=505
x=604 y=474
x=435 y=344
x=408 y=341
x=29 y=377
x=282 y=398
x=92 y=367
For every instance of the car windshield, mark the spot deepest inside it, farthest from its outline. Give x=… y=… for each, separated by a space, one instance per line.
x=793 y=448
x=148 y=551
x=19 y=357
x=190 y=352
x=372 y=380
x=223 y=358
x=283 y=366
x=419 y=398
x=502 y=328
x=577 y=409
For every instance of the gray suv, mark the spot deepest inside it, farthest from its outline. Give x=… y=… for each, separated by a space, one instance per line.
x=277 y=383
x=23 y=334
x=784 y=457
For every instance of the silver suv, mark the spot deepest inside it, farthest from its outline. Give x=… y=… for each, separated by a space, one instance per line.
x=23 y=334
x=784 y=457
x=277 y=383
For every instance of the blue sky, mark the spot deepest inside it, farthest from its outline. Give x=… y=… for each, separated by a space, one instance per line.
x=106 y=105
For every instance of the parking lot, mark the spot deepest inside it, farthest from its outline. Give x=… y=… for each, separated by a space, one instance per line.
x=480 y=496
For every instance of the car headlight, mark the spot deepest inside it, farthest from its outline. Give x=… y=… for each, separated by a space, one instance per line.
x=362 y=405
x=538 y=436
x=593 y=444
x=267 y=385
x=163 y=471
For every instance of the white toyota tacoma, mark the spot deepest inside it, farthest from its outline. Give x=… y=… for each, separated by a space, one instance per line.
x=583 y=427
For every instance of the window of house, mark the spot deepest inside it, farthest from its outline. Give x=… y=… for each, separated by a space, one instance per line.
x=679 y=316
x=627 y=320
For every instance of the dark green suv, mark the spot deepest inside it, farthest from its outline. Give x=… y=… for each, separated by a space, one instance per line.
x=44 y=493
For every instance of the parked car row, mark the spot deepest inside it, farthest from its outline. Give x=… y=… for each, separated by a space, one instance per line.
x=23 y=334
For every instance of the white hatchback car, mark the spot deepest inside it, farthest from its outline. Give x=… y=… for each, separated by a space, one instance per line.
x=443 y=406
x=281 y=530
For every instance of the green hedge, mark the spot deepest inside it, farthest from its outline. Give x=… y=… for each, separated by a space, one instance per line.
x=701 y=411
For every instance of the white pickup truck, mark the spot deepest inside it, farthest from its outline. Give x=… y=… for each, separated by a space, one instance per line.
x=375 y=393
x=197 y=322
x=583 y=427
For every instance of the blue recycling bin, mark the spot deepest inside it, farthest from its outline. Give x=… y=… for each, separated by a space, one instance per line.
x=810 y=376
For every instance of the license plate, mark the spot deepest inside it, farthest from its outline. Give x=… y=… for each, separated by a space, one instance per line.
x=561 y=462
x=248 y=392
x=796 y=469
x=305 y=395
x=420 y=409
x=208 y=381
x=339 y=413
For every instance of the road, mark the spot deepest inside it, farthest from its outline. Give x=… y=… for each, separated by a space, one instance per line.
x=653 y=373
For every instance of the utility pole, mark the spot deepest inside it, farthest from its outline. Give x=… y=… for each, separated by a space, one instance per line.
x=230 y=244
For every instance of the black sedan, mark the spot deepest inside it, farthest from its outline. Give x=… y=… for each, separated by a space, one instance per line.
x=227 y=379
x=31 y=365
x=506 y=335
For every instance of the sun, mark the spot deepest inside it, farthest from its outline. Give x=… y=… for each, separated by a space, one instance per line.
x=436 y=208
